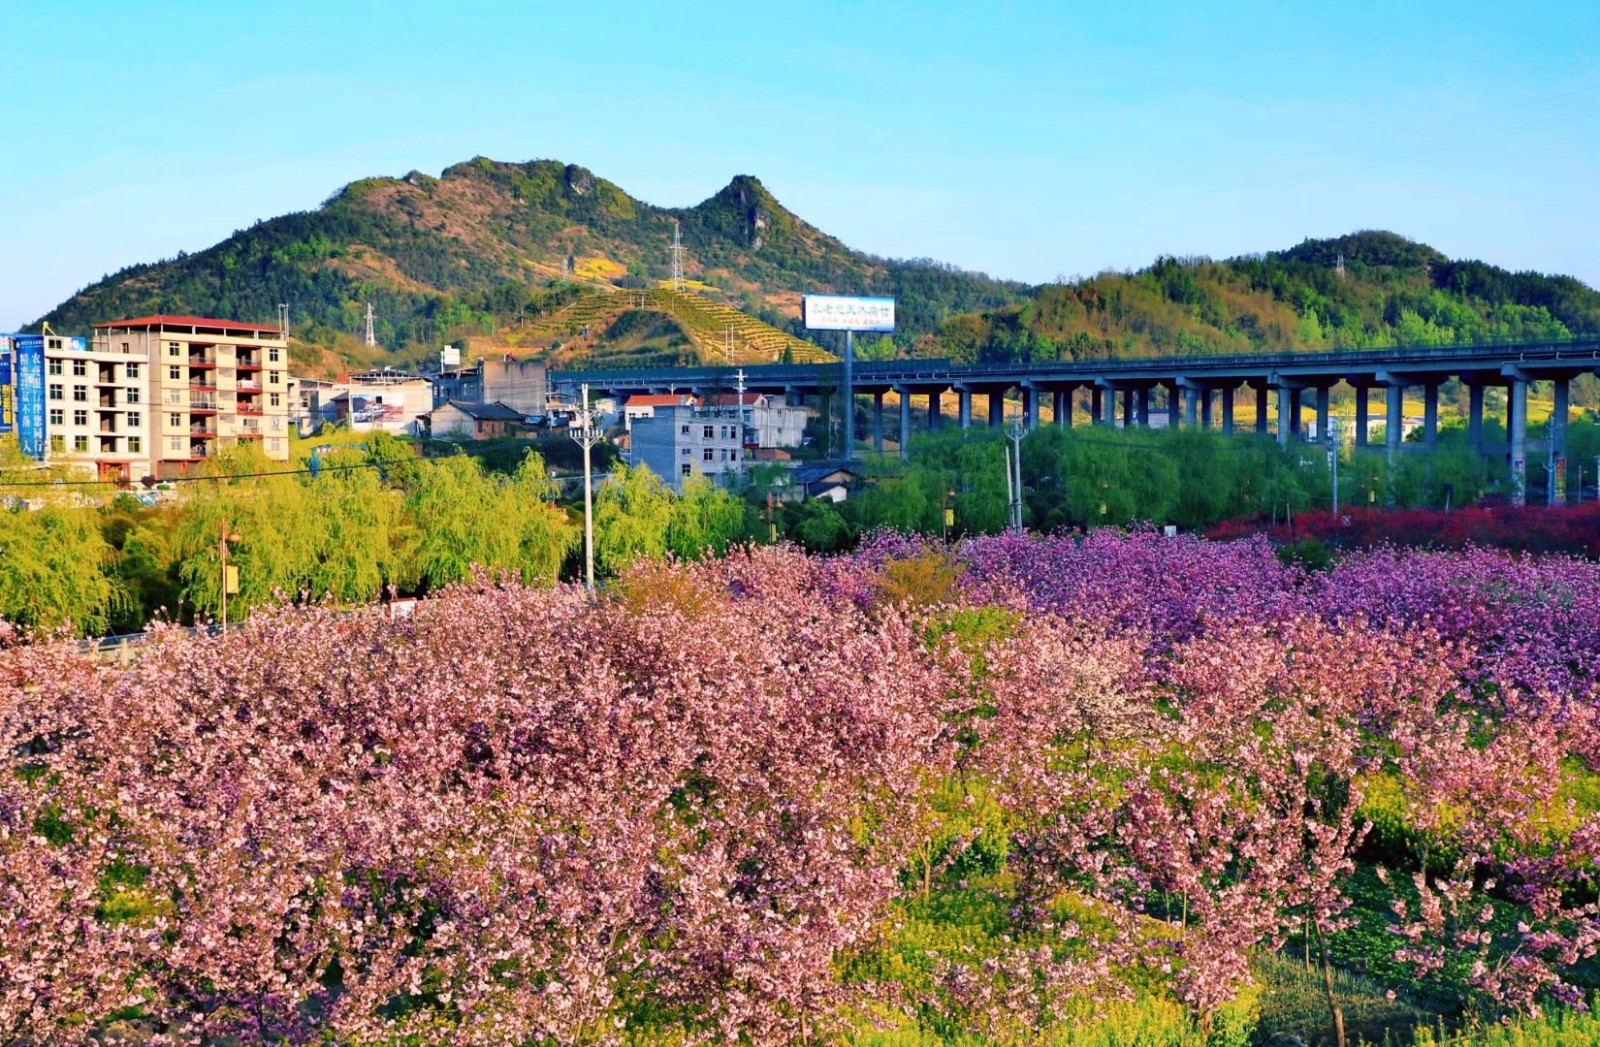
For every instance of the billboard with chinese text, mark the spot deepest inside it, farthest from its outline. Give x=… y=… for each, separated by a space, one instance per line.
x=827 y=312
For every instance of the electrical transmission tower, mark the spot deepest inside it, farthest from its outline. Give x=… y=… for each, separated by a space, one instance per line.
x=677 y=257
x=1339 y=265
x=372 y=335
x=283 y=320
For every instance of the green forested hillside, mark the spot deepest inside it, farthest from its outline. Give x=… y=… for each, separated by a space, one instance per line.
x=490 y=248
x=505 y=254
x=1391 y=291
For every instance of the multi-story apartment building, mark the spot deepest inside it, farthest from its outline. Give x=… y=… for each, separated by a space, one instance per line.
x=212 y=383
x=96 y=408
x=679 y=440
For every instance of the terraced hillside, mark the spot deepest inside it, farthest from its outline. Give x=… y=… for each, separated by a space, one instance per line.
x=612 y=326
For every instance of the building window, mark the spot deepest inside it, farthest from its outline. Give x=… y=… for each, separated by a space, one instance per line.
x=79 y=369
x=58 y=443
x=273 y=377
x=687 y=451
x=125 y=348
x=80 y=443
x=710 y=432
x=174 y=396
x=688 y=470
x=275 y=399
x=173 y=350
x=55 y=391
x=80 y=417
x=131 y=396
x=277 y=422
x=175 y=374
x=272 y=355
x=707 y=454
x=135 y=445
x=133 y=369
x=134 y=419
x=274 y=443
x=55 y=366
x=54 y=343
x=57 y=417
x=175 y=443
x=685 y=430
x=175 y=420
x=80 y=393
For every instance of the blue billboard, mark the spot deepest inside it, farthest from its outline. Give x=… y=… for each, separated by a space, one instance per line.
x=27 y=392
x=8 y=396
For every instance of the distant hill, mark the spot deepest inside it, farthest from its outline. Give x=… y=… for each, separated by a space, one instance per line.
x=492 y=251
x=1390 y=291
x=545 y=257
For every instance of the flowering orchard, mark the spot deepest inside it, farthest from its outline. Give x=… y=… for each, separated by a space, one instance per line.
x=1023 y=785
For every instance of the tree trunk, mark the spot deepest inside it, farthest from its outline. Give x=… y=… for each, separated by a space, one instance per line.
x=1327 y=987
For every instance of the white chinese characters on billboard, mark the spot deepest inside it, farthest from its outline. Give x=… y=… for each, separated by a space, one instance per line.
x=826 y=312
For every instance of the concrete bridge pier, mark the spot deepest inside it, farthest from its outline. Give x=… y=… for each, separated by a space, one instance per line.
x=1517 y=433
x=1108 y=405
x=1127 y=408
x=1561 y=393
x=1030 y=406
x=1061 y=407
x=905 y=422
x=1361 y=413
x=964 y=407
x=1227 y=410
x=1324 y=412
x=997 y=408
x=1174 y=408
x=1430 y=415
x=1096 y=396
x=1261 y=408
x=1205 y=407
x=1143 y=406
x=1475 y=416
x=1394 y=421
x=1191 y=405
x=933 y=410
x=877 y=422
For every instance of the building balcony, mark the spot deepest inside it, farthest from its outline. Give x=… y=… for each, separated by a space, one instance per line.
x=107 y=402
x=202 y=407
x=246 y=365
x=249 y=385
x=202 y=432
x=249 y=434
x=253 y=410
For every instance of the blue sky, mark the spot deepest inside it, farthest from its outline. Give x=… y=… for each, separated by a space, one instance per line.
x=1028 y=140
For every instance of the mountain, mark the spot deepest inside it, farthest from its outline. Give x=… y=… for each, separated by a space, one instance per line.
x=545 y=257
x=1364 y=290
x=504 y=254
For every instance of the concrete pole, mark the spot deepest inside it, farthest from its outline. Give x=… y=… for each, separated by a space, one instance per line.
x=1191 y=406
x=933 y=410
x=1475 y=417
x=1173 y=407
x=1430 y=415
x=1517 y=428
x=964 y=408
x=905 y=422
x=1096 y=395
x=877 y=422
x=1324 y=412
x=1127 y=408
x=1296 y=401
x=1361 y=416
x=1227 y=410
x=1108 y=404
x=1030 y=401
x=1285 y=415
x=1062 y=408
x=1205 y=408
x=997 y=408
x=1144 y=405
x=1261 y=409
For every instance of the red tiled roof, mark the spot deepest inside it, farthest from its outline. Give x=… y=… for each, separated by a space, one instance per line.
x=657 y=399
x=163 y=320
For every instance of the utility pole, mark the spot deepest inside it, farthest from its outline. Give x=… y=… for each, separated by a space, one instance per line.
x=587 y=434
x=372 y=337
x=1014 y=473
